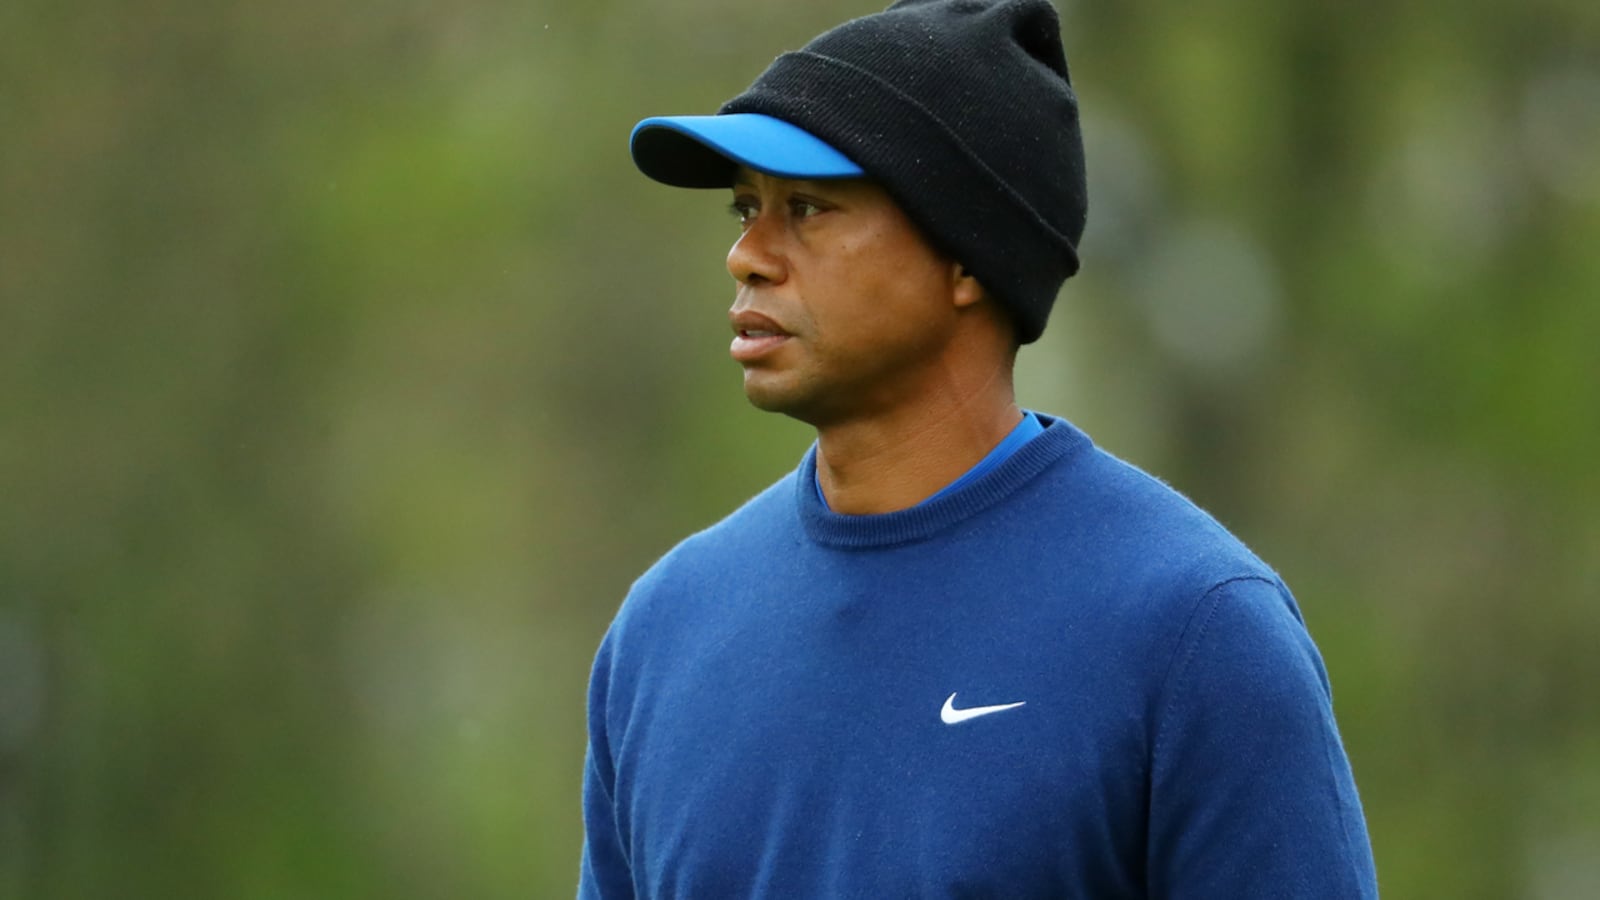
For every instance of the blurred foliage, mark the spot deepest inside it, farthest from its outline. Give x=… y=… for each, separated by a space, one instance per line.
x=349 y=373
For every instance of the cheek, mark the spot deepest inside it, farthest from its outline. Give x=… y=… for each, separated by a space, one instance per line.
x=882 y=302
x=908 y=283
x=874 y=285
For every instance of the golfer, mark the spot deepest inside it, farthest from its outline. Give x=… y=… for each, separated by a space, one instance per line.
x=959 y=651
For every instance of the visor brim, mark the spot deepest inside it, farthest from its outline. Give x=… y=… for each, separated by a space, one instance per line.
x=705 y=151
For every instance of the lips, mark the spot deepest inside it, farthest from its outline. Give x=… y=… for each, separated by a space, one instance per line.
x=754 y=335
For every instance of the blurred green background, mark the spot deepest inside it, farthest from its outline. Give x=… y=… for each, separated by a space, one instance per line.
x=349 y=373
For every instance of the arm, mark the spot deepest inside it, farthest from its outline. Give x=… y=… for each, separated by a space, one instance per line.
x=1251 y=794
x=604 y=873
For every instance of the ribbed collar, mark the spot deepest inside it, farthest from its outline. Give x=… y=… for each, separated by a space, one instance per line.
x=919 y=522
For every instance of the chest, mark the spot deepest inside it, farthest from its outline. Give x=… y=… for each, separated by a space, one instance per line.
x=867 y=746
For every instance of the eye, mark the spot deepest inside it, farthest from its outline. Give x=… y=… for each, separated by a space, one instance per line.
x=801 y=208
x=743 y=209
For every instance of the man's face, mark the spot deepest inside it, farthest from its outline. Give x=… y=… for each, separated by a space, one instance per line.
x=843 y=309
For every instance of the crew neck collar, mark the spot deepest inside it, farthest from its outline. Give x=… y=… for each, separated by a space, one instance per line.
x=904 y=526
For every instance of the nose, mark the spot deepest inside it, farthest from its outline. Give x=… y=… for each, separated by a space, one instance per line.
x=756 y=257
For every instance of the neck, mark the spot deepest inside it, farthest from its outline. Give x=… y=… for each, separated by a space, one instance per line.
x=896 y=459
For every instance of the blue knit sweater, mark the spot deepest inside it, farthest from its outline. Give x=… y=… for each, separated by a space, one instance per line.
x=1061 y=680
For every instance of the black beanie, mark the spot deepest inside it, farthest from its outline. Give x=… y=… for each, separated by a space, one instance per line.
x=963 y=110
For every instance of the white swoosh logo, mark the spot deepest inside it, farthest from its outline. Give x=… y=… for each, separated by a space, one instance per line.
x=952 y=716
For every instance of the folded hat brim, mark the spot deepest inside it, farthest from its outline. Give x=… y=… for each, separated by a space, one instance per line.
x=705 y=151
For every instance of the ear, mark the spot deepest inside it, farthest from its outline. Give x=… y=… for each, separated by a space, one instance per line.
x=965 y=290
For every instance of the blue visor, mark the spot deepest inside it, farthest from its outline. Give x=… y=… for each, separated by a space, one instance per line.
x=704 y=151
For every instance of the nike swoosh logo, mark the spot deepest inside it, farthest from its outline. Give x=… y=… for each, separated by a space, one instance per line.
x=952 y=716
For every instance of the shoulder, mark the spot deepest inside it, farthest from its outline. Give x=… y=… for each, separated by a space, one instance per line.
x=675 y=597
x=1131 y=556
x=748 y=533
x=764 y=519
x=1112 y=519
x=1220 y=620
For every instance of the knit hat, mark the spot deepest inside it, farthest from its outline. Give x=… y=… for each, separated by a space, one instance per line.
x=962 y=110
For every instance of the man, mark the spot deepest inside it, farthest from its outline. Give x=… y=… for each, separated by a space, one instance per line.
x=960 y=651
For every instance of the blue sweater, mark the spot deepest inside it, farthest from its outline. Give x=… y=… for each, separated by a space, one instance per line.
x=1061 y=680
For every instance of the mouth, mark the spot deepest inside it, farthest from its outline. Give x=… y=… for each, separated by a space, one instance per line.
x=754 y=336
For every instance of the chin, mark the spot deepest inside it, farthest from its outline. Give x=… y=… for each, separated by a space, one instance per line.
x=770 y=401
x=775 y=396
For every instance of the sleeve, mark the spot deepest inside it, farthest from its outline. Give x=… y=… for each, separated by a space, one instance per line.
x=1251 y=793
x=603 y=873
